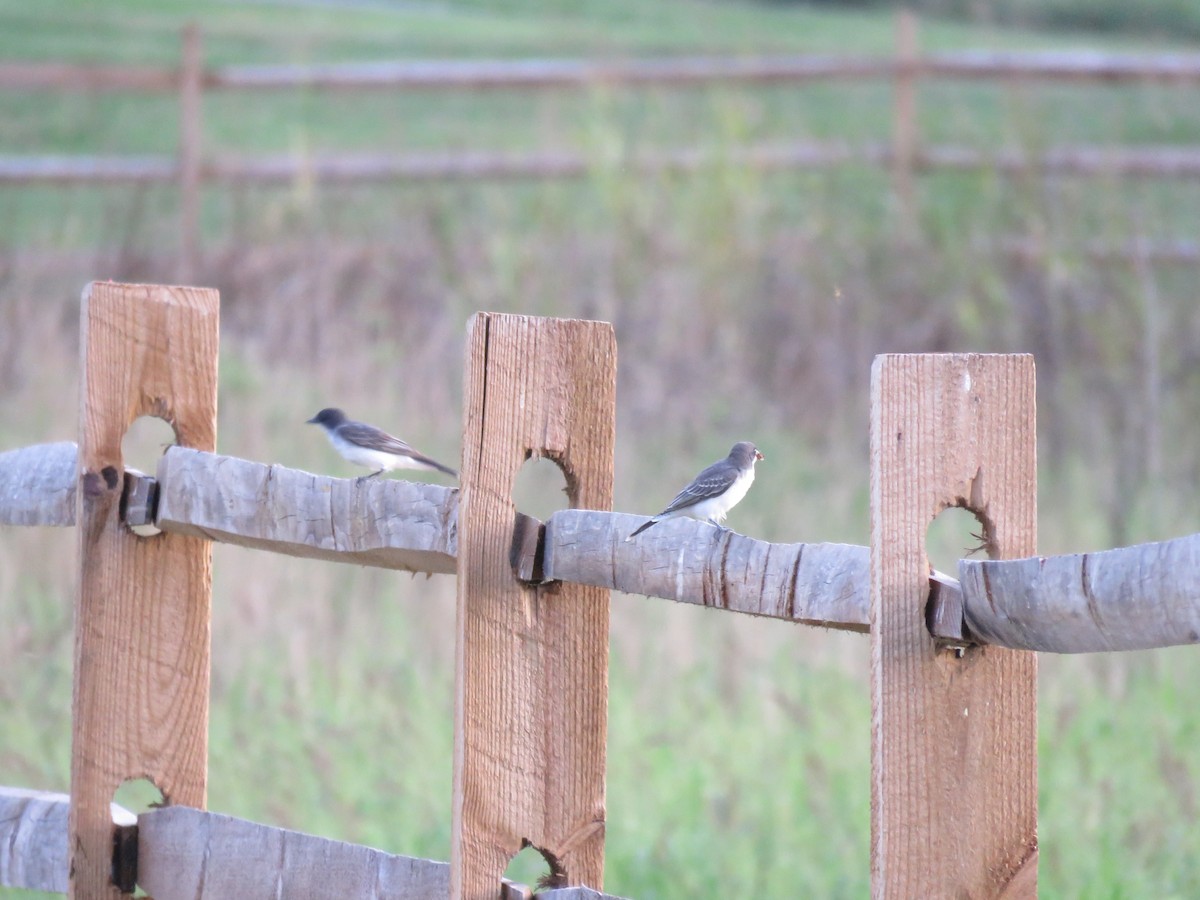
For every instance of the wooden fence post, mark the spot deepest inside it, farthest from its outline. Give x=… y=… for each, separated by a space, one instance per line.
x=531 y=680
x=140 y=704
x=954 y=752
x=191 y=87
x=904 y=117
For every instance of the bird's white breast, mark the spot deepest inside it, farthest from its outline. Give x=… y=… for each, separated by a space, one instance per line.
x=363 y=456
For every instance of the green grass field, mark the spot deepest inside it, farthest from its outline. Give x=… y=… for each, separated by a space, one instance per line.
x=746 y=305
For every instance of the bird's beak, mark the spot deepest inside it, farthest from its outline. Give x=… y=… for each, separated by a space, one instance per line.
x=758 y=456
x=312 y=421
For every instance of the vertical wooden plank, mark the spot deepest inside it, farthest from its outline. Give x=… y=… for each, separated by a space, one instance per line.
x=191 y=85
x=531 y=699
x=904 y=116
x=140 y=705
x=954 y=754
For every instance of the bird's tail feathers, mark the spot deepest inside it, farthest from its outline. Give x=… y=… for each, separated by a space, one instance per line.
x=434 y=464
x=643 y=527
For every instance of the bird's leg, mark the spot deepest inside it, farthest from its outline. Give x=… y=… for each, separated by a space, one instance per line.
x=361 y=478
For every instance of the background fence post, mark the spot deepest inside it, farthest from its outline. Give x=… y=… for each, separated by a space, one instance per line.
x=191 y=87
x=140 y=704
x=531 y=679
x=904 y=117
x=954 y=752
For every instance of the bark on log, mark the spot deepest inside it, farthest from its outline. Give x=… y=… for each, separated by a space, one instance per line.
x=1132 y=598
x=694 y=562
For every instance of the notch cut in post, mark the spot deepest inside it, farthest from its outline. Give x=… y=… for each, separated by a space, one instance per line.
x=140 y=703
x=954 y=754
x=531 y=668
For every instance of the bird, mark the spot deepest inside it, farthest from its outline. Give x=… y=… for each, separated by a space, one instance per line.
x=715 y=491
x=366 y=445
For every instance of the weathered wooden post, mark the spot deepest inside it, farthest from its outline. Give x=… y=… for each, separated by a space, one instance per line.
x=140 y=706
x=954 y=753
x=531 y=694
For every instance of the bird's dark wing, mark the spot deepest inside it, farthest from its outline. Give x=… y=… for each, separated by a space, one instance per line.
x=374 y=439
x=712 y=482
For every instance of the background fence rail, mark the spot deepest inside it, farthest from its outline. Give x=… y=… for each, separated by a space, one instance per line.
x=905 y=157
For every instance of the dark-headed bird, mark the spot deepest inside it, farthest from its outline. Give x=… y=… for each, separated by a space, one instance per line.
x=366 y=445
x=715 y=491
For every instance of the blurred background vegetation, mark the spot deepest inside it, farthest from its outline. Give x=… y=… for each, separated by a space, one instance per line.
x=746 y=304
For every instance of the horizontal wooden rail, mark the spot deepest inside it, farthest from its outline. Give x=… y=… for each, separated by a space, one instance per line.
x=693 y=562
x=105 y=169
x=379 y=522
x=180 y=852
x=1126 y=599
x=54 y=76
x=33 y=838
x=1144 y=162
x=548 y=73
x=1059 y=65
x=37 y=484
x=1073 y=66
x=1132 y=598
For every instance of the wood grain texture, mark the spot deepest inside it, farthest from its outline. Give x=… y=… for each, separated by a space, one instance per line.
x=37 y=485
x=694 y=562
x=531 y=698
x=140 y=704
x=379 y=522
x=189 y=854
x=33 y=838
x=954 y=755
x=1132 y=598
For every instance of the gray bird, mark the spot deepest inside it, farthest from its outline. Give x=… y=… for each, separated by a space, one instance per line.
x=715 y=491
x=366 y=445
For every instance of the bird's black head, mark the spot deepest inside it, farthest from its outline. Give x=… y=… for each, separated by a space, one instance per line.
x=744 y=454
x=329 y=417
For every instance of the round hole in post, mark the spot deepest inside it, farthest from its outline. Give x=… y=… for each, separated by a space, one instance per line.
x=956 y=533
x=531 y=868
x=138 y=795
x=145 y=441
x=540 y=488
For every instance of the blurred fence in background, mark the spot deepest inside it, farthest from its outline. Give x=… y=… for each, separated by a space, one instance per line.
x=905 y=155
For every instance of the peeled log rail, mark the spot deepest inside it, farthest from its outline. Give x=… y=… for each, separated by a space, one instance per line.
x=187 y=853
x=694 y=562
x=1127 y=599
x=1132 y=598
x=37 y=485
x=377 y=522
x=1082 y=161
x=1075 y=65
x=177 y=851
x=33 y=838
